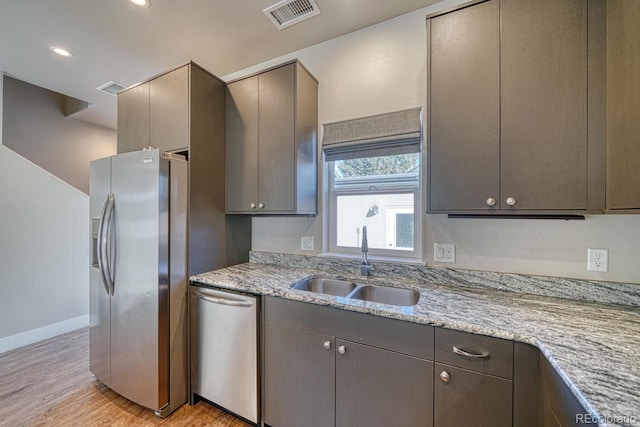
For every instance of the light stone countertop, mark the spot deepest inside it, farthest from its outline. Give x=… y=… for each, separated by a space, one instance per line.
x=595 y=347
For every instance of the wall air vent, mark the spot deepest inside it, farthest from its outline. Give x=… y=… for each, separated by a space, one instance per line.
x=112 y=88
x=289 y=12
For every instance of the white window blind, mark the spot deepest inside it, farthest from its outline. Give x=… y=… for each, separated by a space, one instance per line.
x=387 y=134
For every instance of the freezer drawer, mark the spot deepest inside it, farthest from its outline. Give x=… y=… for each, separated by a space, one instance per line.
x=224 y=350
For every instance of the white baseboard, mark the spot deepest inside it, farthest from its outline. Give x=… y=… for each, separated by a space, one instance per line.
x=39 y=334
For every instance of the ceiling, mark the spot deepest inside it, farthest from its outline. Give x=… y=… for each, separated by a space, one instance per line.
x=116 y=40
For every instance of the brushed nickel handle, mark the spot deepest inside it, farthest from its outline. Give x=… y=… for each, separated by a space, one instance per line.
x=261 y=205
x=511 y=201
x=253 y=205
x=342 y=349
x=491 y=201
x=327 y=345
x=465 y=353
x=444 y=376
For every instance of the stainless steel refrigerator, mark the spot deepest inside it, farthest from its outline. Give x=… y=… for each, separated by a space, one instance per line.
x=138 y=283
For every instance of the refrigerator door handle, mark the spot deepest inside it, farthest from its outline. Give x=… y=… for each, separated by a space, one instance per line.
x=100 y=246
x=107 y=239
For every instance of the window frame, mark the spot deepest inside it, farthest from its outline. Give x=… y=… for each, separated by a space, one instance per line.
x=368 y=186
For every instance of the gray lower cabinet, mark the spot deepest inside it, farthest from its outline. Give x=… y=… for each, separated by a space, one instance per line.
x=377 y=387
x=271 y=131
x=314 y=378
x=299 y=380
x=328 y=367
x=517 y=123
x=469 y=398
x=474 y=380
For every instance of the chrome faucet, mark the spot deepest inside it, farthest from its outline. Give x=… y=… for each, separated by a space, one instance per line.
x=365 y=265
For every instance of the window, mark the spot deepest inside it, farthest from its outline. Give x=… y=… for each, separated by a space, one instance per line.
x=382 y=193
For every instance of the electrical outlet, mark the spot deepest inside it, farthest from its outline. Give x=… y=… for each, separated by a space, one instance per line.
x=444 y=252
x=597 y=259
x=306 y=243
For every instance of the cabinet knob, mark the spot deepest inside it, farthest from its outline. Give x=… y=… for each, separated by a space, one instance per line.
x=261 y=205
x=444 y=376
x=511 y=201
x=253 y=205
x=327 y=345
x=342 y=349
x=491 y=201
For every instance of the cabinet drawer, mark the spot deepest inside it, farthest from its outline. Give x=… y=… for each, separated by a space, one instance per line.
x=287 y=312
x=397 y=335
x=476 y=352
x=404 y=337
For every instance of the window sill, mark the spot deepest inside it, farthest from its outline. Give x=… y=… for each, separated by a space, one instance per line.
x=373 y=258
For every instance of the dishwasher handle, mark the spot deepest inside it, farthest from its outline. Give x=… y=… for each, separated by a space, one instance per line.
x=223 y=301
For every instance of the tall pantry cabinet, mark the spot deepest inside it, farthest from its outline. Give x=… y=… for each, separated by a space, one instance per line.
x=183 y=111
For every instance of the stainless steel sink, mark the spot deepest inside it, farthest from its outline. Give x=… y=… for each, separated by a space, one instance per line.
x=339 y=288
x=386 y=295
x=351 y=290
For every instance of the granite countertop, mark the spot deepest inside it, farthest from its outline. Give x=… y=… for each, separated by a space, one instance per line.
x=594 y=347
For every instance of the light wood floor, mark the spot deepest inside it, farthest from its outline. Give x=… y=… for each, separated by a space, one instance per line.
x=49 y=384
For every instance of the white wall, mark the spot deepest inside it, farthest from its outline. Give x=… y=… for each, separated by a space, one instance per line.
x=382 y=68
x=44 y=249
x=44 y=253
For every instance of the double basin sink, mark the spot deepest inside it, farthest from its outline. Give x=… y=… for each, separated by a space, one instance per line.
x=372 y=293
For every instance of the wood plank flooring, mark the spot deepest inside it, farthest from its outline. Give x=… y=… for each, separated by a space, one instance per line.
x=49 y=384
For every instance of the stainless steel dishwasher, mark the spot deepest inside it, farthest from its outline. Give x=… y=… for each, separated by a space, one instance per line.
x=224 y=350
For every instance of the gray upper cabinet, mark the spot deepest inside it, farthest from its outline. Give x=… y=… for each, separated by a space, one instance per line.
x=133 y=119
x=271 y=156
x=623 y=105
x=464 y=160
x=155 y=113
x=516 y=122
x=169 y=110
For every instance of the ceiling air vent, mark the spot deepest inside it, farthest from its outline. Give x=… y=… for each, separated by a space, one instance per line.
x=289 y=12
x=112 y=88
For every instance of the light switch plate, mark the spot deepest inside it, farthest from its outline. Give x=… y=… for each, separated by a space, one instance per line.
x=444 y=252
x=598 y=260
x=306 y=243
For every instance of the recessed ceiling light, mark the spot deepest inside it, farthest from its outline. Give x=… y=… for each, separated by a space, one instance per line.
x=141 y=3
x=62 y=52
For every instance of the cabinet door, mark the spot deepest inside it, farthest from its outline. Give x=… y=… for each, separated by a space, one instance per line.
x=299 y=377
x=169 y=110
x=376 y=387
x=623 y=104
x=242 y=145
x=470 y=398
x=276 y=154
x=464 y=91
x=133 y=119
x=544 y=104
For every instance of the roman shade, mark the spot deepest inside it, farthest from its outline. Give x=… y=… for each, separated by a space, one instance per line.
x=387 y=134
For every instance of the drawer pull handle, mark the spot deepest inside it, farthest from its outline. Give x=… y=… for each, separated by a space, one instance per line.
x=460 y=352
x=327 y=345
x=444 y=376
x=342 y=349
